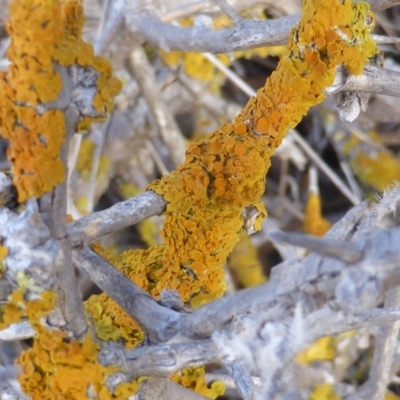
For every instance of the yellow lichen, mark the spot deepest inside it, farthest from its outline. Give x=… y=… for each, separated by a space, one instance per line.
x=194 y=378
x=207 y=196
x=3 y=251
x=378 y=169
x=43 y=33
x=314 y=222
x=324 y=392
x=111 y=322
x=323 y=349
x=84 y=162
x=245 y=264
x=391 y=396
x=374 y=165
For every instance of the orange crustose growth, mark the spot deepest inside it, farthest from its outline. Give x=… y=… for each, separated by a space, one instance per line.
x=225 y=173
x=45 y=37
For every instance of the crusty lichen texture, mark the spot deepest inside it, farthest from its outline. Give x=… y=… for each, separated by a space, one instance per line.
x=45 y=37
x=58 y=366
x=225 y=173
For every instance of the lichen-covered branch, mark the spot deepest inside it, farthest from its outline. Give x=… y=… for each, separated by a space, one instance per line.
x=49 y=62
x=224 y=174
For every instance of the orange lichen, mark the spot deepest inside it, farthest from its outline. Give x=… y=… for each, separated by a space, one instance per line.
x=225 y=173
x=57 y=366
x=60 y=367
x=45 y=36
x=314 y=223
x=112 y=323
x=245 y=264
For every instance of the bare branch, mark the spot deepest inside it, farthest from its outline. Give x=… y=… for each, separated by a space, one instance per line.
x=344 y=251
x=329 y=322
x=242 y=378
x=115 y=218
x=158 y=322
x=385 y=348
x=20 y=331
x=244 y=35
x=108 y=28
x=374 y=80
x=162 y=360
x=380 y=5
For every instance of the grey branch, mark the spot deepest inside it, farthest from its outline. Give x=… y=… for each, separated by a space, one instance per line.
x=385 y=348
x=158 y=322
x=162 y=360
x=120 y=216
x=375 y=80
x=244 y=35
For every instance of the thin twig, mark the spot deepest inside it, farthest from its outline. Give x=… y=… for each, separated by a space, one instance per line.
x=242 y=378
x=111 y=19
x=99 y=137
x=167 y=126
x=229 y=11
x=324 y=167
x=157 y=159
x=120 y=216
x=385 y=348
